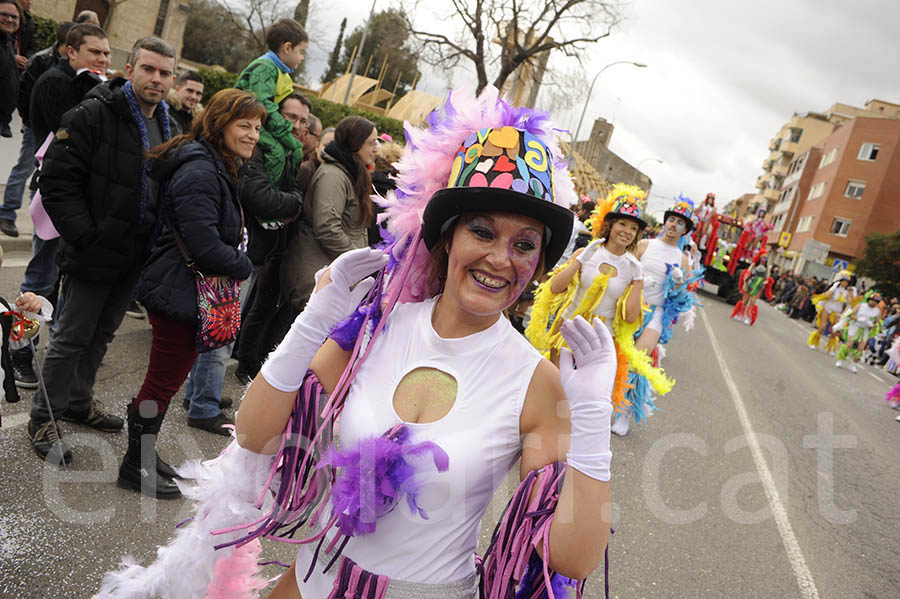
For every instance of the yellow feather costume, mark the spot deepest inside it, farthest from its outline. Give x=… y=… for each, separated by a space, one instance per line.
x=547 y=315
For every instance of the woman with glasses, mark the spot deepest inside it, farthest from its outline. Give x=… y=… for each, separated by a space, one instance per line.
x=337 y=211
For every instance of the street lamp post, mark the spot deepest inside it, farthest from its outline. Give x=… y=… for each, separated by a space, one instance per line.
x=637 y=169
x=362 y=43
x=591 y=89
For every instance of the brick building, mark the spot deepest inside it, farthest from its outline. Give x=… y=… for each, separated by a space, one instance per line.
x=125 y=20
x=609 y=164
x=854 y=190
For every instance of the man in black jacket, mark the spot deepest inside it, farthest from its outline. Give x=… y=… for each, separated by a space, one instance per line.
x=56 y=92
x=96 y=191
x=36 y=66
x=265 y=201
x=9 y=67
x=185 y=100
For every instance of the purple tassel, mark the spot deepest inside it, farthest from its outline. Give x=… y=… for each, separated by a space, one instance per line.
x=374 y=476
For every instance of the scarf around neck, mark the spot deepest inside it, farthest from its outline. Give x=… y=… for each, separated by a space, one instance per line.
x=162 y=114
x=278 y=62
x=343 y=157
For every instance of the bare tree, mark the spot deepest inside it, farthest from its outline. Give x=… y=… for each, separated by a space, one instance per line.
x=510 y=33
x=253 y=17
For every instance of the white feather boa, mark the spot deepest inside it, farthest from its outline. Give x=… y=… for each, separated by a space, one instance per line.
x=224 y=491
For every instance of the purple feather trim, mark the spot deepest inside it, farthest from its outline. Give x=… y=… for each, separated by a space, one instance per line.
x=374 y=476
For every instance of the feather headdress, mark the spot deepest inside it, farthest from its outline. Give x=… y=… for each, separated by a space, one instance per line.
x=626 y=199
x=428 y=159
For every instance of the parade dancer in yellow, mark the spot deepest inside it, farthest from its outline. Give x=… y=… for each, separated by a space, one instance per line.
x=604 y=280
x=830 y=305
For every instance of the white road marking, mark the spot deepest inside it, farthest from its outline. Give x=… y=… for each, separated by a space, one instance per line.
x=792 y=547
x=14 y=420
x=873 y=375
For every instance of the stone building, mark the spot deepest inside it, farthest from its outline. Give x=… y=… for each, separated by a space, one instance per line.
x=610 y=165
x=125 y=20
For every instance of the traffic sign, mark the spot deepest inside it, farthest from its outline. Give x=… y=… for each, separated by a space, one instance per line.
x=839 y=265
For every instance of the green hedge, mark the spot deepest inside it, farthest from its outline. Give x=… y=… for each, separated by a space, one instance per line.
x=214 y=81
x=329 y=112
x=44 y=32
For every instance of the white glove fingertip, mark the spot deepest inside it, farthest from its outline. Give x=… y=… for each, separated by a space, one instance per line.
x=566 y=363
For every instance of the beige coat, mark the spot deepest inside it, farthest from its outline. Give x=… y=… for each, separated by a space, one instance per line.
x=329 y=226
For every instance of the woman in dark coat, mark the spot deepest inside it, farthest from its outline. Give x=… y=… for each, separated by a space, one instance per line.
x=198 y=175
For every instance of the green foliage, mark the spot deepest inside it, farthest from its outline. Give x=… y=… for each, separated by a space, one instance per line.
x=214 y=80
x=387 y=38
x=44 y=32
x=212 y=36
x=331 y=114
x=881 y=261
x=331 y=72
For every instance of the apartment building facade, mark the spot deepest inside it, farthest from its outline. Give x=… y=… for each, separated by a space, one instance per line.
x=853 y=191
x=796 y=185
x=793 y=138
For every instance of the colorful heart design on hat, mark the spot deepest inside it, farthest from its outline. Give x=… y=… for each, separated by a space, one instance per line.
x=504 y=158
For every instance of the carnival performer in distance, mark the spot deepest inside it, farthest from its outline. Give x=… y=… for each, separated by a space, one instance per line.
x=754 y=280
x=603 y=280
x=829 y=307
x=863 y=321
x=669 y=291
x=437 y=397
x=704 y=215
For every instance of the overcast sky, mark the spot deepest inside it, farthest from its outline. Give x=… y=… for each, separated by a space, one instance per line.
x=722 y=77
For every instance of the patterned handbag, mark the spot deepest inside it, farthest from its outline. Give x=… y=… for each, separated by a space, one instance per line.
x=218 y=305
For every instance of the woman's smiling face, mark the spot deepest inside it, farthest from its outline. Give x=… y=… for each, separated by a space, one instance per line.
x=492 y=258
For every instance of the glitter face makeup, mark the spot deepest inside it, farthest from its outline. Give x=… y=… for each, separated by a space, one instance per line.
x=492 y=259
x=675 y=227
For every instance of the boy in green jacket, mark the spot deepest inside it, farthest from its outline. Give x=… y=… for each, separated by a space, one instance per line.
x=269 y=78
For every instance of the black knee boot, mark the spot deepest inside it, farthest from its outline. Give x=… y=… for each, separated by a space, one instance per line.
x=142 y=469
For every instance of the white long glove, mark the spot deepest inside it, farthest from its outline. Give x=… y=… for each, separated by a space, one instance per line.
x=677 y=275
x=589 y=251
x=636 y=265
x=286 y=366
x=589 y=391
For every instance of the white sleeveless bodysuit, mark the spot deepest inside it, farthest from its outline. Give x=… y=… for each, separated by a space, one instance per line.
x=480 y=434
x=655 y=259
x=616 y=286
x=839 y=298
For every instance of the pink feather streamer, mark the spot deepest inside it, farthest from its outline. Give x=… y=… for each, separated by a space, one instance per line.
x=235 y=576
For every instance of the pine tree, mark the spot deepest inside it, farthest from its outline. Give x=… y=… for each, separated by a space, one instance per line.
x=335 y=55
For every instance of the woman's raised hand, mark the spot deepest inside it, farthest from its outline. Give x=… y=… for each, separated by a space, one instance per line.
x=331 y=303
x=587 y=373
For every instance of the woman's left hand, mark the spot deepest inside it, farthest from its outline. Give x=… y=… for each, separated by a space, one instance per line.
x=588 y=390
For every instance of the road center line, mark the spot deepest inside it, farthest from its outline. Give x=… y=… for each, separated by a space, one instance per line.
x=792 y=547
x=873 y=375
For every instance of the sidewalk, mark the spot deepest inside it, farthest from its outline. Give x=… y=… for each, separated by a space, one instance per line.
x=9 y=154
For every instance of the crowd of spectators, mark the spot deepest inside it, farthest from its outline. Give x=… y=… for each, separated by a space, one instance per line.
x=252 y=185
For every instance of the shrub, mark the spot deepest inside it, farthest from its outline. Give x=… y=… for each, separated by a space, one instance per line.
x=331 y=113
x=214 y=80
x=44 y=32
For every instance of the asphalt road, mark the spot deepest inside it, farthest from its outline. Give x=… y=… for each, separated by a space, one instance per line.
x=692 y=517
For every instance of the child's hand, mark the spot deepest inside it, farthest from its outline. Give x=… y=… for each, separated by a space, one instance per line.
x=29 y=302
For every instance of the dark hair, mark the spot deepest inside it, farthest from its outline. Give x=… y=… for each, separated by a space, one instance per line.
x=18 y=8
x=77 y=33
x=350 y=134
x=62 y=31
x=606 y=227
x=151 y=44
x=436 y=274
x=285 y=31
x=225 y=106
x=186 y=76
x=297 y=96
